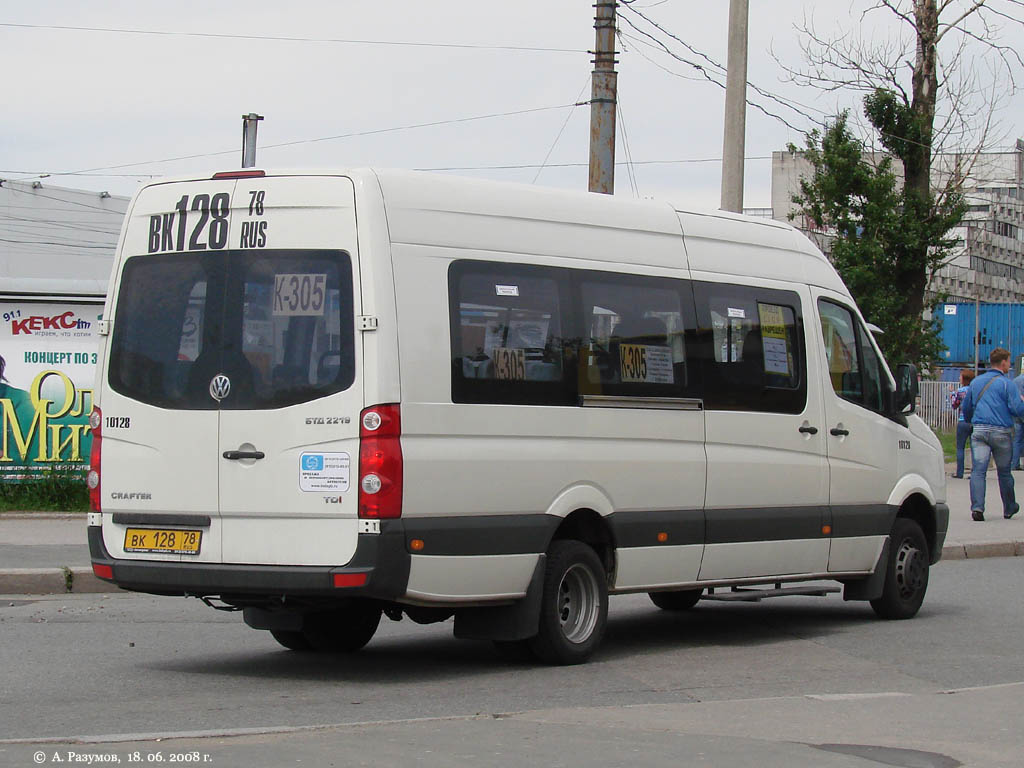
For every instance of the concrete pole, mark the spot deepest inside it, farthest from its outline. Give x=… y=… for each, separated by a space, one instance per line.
x=249 y=123
x=733 y=143
x=977 y=327
x=602 y=104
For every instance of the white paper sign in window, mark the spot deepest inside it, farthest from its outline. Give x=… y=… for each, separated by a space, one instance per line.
x=509 y=363
x=773 y=339
x=299 y=295
x=645 y=364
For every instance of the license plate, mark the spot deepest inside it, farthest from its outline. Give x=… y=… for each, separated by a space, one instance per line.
x=173 y=541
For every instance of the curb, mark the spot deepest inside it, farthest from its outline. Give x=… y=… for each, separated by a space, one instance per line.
x=79 y=579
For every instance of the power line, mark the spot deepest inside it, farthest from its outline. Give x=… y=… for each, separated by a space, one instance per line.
x=713 y=67
x=354 y=134
x=527 y=166
x=60 y=245
x=42 y=174
x=630 y=166
x=560 y=131
x=289 y=39
x=64 y=201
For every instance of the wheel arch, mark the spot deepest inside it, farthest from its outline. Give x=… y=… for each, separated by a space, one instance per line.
x=591 y=528
x=917 y=507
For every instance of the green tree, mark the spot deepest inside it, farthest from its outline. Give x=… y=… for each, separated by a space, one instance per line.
x=885 y=237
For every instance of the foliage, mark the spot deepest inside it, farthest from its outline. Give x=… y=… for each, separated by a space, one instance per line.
x=56 y=490
x=886 y=239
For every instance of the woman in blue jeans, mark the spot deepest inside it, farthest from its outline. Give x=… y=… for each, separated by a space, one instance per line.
x=963 y=426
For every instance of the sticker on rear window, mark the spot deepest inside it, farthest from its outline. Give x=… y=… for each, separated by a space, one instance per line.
x=299 y=295
x=506 y=290
x=324 y=472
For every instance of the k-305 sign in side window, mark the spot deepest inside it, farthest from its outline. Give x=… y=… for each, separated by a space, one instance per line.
x=299 y=295
x=198 y=222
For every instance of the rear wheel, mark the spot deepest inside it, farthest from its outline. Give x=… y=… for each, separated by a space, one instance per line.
x=678 y=600
x=514 y=650
x=906 y=578
x=345 y=630
x=574 y=604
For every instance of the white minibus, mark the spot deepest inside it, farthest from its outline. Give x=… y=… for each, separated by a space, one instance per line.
x=328 y=397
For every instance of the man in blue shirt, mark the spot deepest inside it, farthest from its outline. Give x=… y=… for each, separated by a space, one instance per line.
x=990 y=405
x=1018 y=429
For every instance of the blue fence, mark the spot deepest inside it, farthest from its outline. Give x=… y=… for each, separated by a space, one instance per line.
x=996 y=325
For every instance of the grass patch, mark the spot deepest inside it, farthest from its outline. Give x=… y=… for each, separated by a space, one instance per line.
x=948 y=440
x=55 y=491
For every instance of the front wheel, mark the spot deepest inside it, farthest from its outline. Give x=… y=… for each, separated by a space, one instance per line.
x=574 y=604
x=906 y=578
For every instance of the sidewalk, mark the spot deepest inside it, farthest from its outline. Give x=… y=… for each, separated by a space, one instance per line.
x=47 y=553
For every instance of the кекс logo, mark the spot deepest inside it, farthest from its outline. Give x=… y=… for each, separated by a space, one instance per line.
x=313 y=463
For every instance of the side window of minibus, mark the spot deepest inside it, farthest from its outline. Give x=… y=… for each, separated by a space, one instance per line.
x=633 y=335
x=853 y=365
x=751 y=348
x=507 y=334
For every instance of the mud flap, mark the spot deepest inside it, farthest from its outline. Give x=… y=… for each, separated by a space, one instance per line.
x=518 y=621
x=283 y=621
x=870 y=588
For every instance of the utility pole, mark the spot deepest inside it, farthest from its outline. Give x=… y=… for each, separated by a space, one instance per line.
x=733 y=144
x=602 y=100
x=249 y=123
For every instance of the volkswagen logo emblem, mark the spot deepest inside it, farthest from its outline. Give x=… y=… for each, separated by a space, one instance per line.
x=220 y=387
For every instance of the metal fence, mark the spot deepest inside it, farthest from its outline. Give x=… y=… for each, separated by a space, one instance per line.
x=934 y=405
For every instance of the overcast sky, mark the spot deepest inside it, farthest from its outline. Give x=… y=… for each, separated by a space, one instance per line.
x=85 y=101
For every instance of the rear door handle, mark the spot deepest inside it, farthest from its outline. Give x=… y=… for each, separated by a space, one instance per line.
x=839 y=431
x=809 y=430
x=236 y=455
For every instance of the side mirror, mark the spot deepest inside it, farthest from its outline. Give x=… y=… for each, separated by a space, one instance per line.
x=906 y=388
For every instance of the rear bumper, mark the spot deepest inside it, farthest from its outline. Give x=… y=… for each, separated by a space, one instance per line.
x=382 y=557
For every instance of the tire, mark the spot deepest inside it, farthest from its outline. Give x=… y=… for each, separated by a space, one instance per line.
x=515 y=651
x=293 y=641
x=678 y=600
x=574 y=605
x=343 y=631
x=906 y=577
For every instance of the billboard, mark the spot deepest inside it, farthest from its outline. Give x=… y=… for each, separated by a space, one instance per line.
x=47 y=366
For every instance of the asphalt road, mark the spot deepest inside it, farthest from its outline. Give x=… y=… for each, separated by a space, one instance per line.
x=787 y=682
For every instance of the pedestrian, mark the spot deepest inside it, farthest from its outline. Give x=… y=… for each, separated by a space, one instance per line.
x=990 y=405
x=1018 y=429
x=963 y=426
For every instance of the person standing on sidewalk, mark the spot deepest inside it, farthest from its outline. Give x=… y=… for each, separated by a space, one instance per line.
x=991 y=403
x=1018 y=429
x=963 y=426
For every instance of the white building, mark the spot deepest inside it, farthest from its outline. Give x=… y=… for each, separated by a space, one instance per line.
x=56 y=243
x=988 y=262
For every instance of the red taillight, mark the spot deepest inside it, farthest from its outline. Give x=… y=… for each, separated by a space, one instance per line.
x=350 y=579
x=103 y=571
x=93 y=478
x=380 y=462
